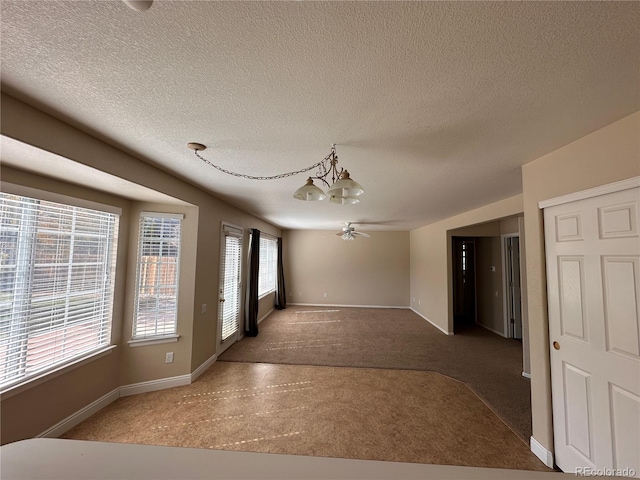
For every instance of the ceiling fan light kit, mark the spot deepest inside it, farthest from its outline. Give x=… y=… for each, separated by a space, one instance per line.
x=343 y=189
x=349 y=234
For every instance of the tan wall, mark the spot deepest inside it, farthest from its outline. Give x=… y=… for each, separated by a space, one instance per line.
x=29 y=125
x=33 y=411
x=430 y=253
x=266 y=305
x=487 y=229
x=490 y=296
x=606 y=155
x=365 y=271
x=526 y=349
x=144 y=363
x=510 y=225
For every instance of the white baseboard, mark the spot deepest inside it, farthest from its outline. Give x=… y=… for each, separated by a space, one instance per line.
x=153 y=385
x=266 y=315
x=81 y=415
x=492 y=330
x=201 y=369
x=437 y=326
x=542 y=453
x=124 y=391
x=526 y=375
x=344 y=306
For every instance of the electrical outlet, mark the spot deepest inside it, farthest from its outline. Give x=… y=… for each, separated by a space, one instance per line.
x=414 y=299
x=492 y=269
x=497 y=293
x=203 y=309
x=168 y=357
x=325 y=295
x=419 y=302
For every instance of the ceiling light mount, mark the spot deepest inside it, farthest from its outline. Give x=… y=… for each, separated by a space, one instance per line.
x=198 y=147
x=138 y=5
x=342 y=189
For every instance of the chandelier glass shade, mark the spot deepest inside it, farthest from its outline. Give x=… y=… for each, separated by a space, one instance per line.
x=344 y=200
x=309 y=192
x=343 y=189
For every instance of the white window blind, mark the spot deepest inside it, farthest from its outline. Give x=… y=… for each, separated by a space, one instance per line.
x=230 y=281
x=57 y=264
x=156 y=303
x=267 y=269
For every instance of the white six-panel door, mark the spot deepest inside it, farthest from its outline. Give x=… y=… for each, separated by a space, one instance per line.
x=593 y=286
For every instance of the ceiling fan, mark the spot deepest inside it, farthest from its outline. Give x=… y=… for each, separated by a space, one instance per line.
x=349 y=233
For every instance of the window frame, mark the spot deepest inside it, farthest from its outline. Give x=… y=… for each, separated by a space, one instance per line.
x=105 y=336
x=273 y=241
x=138 y=340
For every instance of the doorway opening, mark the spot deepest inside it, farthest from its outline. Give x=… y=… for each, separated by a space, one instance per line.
x=512 y=286
x=464 y=283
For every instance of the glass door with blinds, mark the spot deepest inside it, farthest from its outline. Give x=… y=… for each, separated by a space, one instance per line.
x=230 y=286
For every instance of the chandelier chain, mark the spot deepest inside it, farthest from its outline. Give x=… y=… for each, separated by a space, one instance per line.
x=320 y=165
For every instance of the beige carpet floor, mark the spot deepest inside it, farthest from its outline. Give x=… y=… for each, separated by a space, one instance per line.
x=396 y=339
x=361 y=413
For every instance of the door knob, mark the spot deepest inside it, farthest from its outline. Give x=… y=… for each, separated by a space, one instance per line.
x=556 y=345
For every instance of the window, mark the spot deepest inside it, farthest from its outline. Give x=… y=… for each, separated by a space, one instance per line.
x=267 y=269
x=57 y=267
x=156 y=303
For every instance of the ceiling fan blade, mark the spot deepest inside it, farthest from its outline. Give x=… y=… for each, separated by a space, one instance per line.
x=366 y=235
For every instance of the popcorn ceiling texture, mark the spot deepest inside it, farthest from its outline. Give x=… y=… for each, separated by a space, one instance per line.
x=434 y=105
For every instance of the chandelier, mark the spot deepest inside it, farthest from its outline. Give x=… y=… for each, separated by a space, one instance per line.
x=342 y=189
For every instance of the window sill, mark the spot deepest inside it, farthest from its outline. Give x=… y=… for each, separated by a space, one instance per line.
x=143 y=342
x=55 y=372
x=260 y=297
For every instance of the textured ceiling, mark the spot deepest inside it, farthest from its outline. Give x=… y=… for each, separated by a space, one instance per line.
x=434 y=106
x=27 y=157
